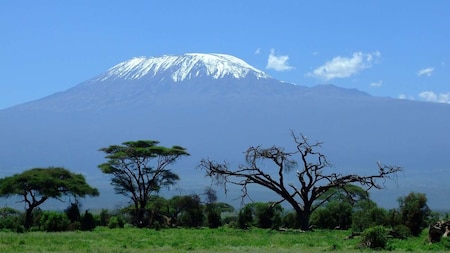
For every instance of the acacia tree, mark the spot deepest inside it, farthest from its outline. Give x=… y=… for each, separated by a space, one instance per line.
x=139 y=169
x=37 y=185
x=312 y=187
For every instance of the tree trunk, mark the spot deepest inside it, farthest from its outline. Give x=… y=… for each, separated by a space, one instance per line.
x=303 y=218
x=29 y=218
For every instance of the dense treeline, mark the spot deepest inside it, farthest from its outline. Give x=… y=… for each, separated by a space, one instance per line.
x=191 y=211
x=362 y=218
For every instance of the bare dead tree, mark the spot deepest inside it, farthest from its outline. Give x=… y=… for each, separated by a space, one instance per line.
x=305 y=195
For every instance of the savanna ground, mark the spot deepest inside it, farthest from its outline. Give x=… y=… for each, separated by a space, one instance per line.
x=105 y=240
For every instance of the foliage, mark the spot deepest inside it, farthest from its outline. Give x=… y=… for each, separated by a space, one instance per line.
x=10 y=218
x=192 y=211
x=213 y=216
x=290 y=220
x=37 y=185
x=367 y=214
x=414 y=212
x=267 y=215
x=140 y=169
x=73 y=212
x=87 y=221
x=103 y=217
x=375 y=237
x=245 y=217
x=52 y=221
x=261 y=215
x=116 y=222
x=402 y=231
x=269 y=167
x=335 y=214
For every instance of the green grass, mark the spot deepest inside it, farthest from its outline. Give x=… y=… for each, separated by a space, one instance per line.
x=104 y=240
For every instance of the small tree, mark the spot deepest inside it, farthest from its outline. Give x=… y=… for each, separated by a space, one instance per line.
x=37 y=185
x=87 y=221
x=334 y=215
x=245 y=217
x=213 y=214
x=367 y=214
x=312 y=180
x=73 y=212
x=414 y=212
x=139 y=169
x=192 y=215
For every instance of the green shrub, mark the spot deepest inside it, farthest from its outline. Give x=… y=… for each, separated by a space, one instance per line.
x=87 y=222
x=245 y=217
x=290 y=220
x=336 y=214
x=54 y=221
x=115 y=222
x=103 y=217
x=369 y=217
x=213 y=217
x=414 y=212
x=402 y=230
x=10 y=218
x=374 y=237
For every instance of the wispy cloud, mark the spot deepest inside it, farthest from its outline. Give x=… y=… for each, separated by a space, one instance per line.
x=342 y=67
x=258 y=51
x=430 y=96
x=426 y=72
x=278 y=62
x=404 y=96
x=376 y=84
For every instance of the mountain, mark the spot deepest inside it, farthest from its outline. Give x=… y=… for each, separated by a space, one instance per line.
x=217 y=106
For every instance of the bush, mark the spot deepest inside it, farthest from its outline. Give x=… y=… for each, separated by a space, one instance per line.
x=374 y=237
x=414 y=212
x=364 y=219
x=336 y=214
x=10 y=218
x=87 y=222
x=290 y=220
x=115 y=222
x=213 y=216
x=54 y=221
x=402 y=230
x=103 y=217
x=245 y=217
x=73 y=212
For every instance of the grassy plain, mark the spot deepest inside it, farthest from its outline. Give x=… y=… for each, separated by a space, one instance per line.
x=132 y=240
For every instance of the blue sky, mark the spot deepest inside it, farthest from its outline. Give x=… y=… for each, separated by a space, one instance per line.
x=399 y=49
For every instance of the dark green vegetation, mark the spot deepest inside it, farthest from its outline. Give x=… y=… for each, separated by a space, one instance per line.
x=325 y=207
x=37 y=185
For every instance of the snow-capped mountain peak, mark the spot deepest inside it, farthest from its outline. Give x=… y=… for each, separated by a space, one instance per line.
x=183 y=67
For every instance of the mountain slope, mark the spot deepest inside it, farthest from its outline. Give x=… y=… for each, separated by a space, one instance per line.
x=219 y=116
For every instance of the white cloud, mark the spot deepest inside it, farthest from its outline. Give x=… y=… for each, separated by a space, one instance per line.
x=376 y=84
x=278 y=63
x=341 y=67
x=403 y=96
x=430 y=96
x=258 y=50
x=426 y=72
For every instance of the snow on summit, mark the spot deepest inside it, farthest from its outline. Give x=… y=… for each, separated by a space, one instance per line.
x=183 y=67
